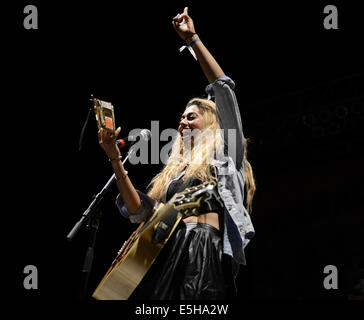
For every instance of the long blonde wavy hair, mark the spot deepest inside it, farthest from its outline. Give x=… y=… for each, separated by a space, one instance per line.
x=197 y=159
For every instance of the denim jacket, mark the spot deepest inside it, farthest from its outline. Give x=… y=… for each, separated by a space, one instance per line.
x=238 y=228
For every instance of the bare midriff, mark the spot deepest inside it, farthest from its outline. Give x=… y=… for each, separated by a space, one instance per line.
x=211 y=218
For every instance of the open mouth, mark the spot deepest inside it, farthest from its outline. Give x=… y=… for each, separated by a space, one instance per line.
x=186 y=134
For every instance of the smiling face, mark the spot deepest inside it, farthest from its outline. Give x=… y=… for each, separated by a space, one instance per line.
x=191 y=119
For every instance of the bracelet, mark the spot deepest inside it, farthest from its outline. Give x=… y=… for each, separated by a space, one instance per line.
x=115 y=159
x=194 y=41
x=189 y=47
x=190 y=36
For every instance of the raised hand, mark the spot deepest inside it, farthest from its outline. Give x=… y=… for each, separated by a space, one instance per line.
x=183 y=24
x=107 y=142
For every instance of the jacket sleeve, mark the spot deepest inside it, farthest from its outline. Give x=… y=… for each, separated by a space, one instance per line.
x=229 y=118
x=143 y=213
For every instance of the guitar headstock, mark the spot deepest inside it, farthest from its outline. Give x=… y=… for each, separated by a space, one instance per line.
x=189 y=200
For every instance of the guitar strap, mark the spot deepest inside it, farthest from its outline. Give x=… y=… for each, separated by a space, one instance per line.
x=164 y=226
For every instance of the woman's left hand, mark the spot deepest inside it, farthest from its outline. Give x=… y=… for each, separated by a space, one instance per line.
x=183 y=24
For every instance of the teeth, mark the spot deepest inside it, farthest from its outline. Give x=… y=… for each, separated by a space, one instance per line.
x=186 y=132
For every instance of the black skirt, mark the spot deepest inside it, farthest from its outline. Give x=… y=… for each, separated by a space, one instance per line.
x=191 y=266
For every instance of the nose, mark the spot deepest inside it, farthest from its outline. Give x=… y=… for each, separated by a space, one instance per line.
x=183 y=123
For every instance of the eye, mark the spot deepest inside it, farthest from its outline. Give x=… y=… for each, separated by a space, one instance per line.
x=191 y=117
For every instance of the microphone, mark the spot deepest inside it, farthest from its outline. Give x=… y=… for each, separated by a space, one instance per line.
x=144 y=134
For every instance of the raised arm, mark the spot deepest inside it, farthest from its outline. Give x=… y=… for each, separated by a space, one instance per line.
x=221 y=87
x=132 y=204
x=126 y=188
x=184 y=26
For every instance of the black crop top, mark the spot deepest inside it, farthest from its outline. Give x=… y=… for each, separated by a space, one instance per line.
x=209 y=205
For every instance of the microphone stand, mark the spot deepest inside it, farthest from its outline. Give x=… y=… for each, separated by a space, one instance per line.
x=92 y=215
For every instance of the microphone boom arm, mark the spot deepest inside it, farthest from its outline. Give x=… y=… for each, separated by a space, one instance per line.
x=92 y=208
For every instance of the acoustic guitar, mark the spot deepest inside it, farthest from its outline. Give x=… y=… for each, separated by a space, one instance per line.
x=139 y=252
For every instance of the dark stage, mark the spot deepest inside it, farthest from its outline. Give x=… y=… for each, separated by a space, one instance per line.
x=301 y=96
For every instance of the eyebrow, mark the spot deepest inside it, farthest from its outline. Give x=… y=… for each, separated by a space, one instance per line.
x=189 y=113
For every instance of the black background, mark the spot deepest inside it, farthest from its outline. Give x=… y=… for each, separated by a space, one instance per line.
x=300 y=91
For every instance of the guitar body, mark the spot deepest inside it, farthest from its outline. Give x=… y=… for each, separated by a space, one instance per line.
x=134 y=261
x=138 y=252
